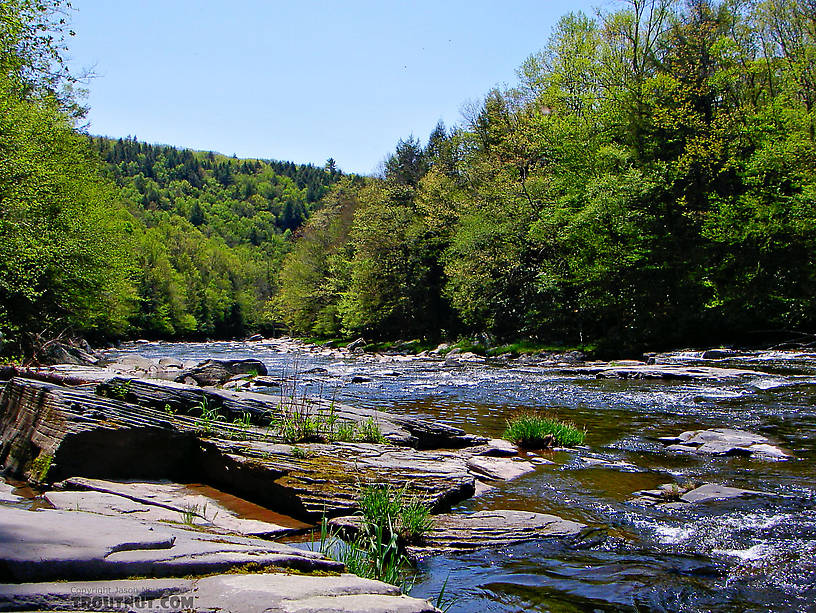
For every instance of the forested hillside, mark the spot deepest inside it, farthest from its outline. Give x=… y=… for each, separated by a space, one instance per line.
x=647 y=182
x=209 y=234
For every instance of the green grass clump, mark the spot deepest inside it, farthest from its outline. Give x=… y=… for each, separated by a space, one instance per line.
x=394 y=510
x=390 y=517
x=536 y=431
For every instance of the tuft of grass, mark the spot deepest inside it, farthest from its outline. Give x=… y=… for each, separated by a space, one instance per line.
x=390 y=517
x=368 y=431
x=345 y=432
x=536 y=431
x=387 y=507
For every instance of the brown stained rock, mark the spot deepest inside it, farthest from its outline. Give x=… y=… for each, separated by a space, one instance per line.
x=158 y=501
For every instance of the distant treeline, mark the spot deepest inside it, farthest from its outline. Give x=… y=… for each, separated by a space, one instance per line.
x=650 y=181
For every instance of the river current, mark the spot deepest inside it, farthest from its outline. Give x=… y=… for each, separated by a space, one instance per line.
x=748 y=555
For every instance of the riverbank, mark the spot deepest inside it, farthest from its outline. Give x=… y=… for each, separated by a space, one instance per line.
x=623 y=461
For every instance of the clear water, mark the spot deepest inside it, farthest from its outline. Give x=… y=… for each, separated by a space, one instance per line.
x=757 y=555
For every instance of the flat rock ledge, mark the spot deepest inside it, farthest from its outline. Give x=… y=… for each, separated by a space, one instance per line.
x=725 y=442
x=51 y=433
x=248 y=593
x=459 y=532
x=49 y=545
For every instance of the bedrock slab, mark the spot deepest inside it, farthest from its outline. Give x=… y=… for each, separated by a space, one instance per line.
x=48 y=545
x=247 y=593
x=460 y=532
x=50 y=433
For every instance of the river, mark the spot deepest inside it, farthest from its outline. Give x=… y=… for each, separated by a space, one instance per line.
x=748 y=555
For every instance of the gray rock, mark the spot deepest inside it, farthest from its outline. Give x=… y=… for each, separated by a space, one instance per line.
x=62 y=353
x=48 y=545
x=266 y=381
x=496 y=447
x=218 y=372
x=725 y=442
x=356 y=344
x=7 y=492
x=157 y=501
x=459 y=532
x=171 y=363
x=711 y=492
x=248 y=593
x=499 y=469
x=138 y=362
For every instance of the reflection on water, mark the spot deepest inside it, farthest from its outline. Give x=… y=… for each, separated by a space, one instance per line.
x=756 y=555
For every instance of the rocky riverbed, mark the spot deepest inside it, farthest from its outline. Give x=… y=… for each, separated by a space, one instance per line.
x=693 y=491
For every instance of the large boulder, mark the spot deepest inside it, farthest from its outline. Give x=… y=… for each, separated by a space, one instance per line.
x=218 y=372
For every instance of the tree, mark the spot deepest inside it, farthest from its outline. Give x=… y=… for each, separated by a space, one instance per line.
x=63 y=238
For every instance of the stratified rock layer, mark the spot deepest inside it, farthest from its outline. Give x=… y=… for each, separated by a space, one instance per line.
x=50 y=433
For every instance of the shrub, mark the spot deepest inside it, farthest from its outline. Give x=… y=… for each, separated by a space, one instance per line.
x=536 y=431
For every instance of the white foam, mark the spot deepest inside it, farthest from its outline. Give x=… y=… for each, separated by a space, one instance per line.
x=756 y=552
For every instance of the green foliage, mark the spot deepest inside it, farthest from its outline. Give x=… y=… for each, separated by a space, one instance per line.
x=393 y=509
x=373 y=554
x=389 y=518
x=368 y=431
x=535 y=431
x=211 y=234
x=63 y=238
x=648 y=182
x=41 y=466
x=209 y=416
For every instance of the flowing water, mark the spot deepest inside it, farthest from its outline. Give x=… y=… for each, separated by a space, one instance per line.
x=748 y=555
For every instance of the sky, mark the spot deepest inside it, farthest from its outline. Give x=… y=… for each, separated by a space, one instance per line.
x=301 y=80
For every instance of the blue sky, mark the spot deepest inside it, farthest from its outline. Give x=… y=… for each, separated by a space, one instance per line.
x=300 y=80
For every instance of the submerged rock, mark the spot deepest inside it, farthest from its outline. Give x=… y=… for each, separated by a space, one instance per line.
x=725 y=442
x=667 y=372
